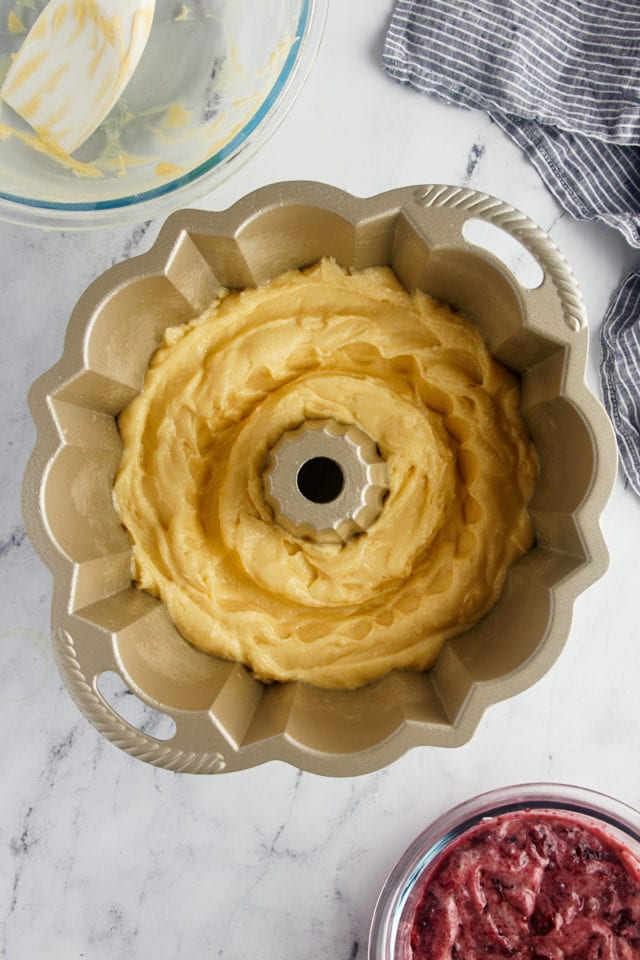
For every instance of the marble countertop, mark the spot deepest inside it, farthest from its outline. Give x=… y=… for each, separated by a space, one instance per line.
x=102 y=856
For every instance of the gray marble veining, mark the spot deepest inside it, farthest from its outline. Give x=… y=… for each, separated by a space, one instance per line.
x=104 y=857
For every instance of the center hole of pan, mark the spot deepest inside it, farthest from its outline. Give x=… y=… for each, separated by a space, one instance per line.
x=320 y=479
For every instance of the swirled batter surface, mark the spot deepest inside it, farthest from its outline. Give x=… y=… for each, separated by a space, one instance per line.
x=531 y=886
x=318 y=343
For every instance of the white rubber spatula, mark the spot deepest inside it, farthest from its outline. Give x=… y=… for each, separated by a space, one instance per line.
x=74 y=64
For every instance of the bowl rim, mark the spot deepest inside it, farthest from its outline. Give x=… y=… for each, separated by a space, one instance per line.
x=190 y=186
x=424 y=850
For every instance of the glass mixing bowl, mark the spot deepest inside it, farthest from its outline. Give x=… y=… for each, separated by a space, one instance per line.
x=215 y=78
x=394 y=913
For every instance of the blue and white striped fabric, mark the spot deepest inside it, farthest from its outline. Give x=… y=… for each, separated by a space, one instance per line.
x=620 y=368
x=562 y=79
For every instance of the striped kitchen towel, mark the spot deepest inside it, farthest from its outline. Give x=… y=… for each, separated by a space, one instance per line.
x=562 y=79
x=620 y=373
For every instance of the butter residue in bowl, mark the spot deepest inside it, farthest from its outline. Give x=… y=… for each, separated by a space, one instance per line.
x=411 y=373
x=15 y=24
x=82 y=45
x=143 y=138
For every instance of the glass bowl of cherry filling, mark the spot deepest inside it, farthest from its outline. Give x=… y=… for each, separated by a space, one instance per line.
x=528 y=872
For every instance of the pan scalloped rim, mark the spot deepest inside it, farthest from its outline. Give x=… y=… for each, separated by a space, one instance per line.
x=225 y=720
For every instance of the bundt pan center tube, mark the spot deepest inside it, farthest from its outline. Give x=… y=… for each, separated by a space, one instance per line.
x=325 y=481
x=222 y=718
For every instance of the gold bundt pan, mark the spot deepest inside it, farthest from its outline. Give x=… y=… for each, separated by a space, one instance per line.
x=223 y=719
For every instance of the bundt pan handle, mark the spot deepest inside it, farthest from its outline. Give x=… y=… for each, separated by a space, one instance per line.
x=453 y=212
x=82 y=664
x=223 y=719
